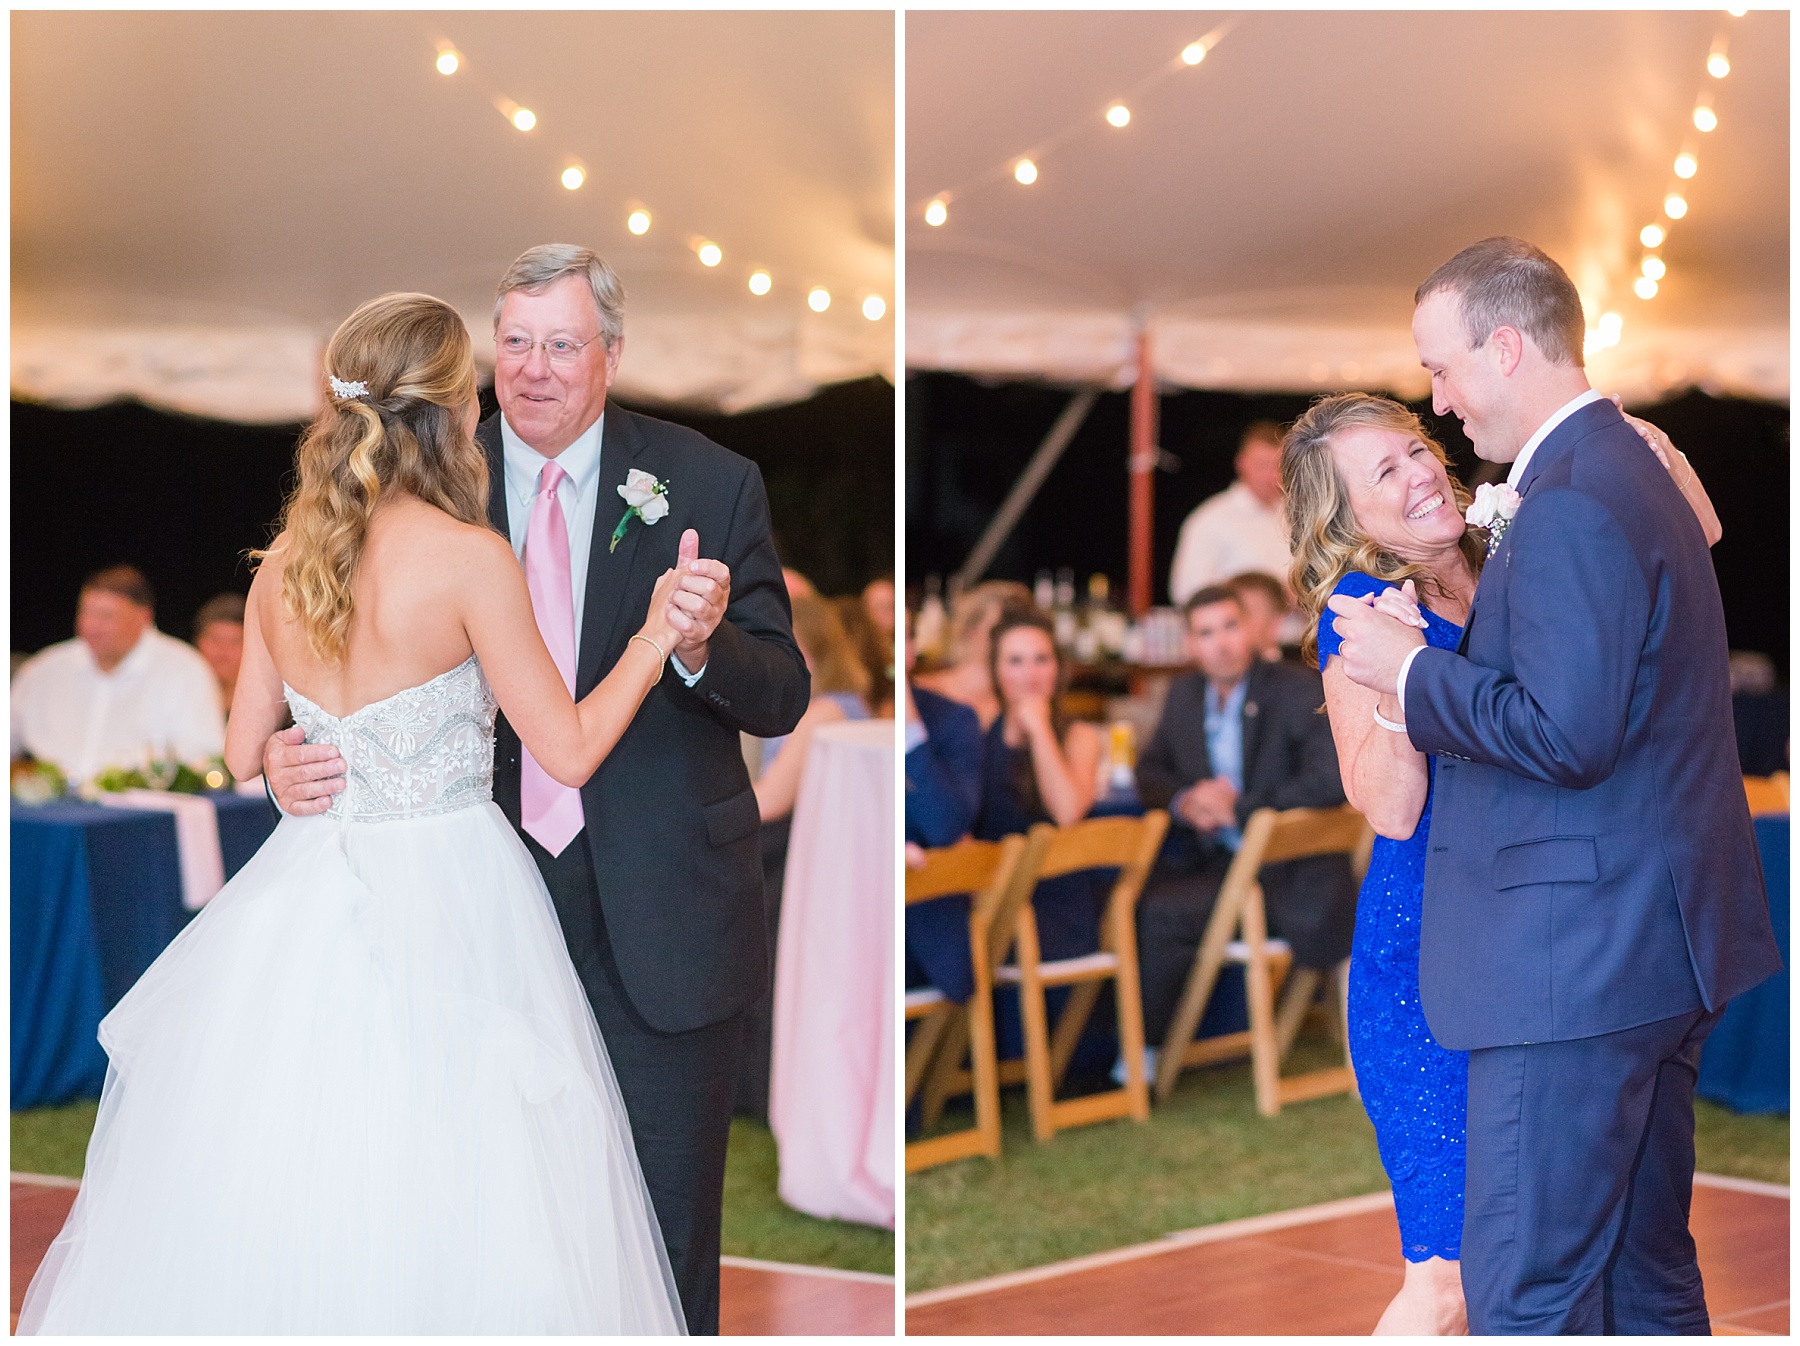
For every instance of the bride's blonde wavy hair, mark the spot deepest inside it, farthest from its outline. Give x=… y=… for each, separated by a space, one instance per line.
x=406 y=433
x=1327 y=544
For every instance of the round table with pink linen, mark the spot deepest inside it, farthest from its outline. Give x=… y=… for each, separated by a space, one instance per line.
x=831 y=1089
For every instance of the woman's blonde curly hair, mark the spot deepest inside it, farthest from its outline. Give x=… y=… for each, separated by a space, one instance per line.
x=1323 y=534
x=406 y=433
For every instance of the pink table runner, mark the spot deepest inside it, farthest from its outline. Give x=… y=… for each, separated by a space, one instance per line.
x=831 y=1092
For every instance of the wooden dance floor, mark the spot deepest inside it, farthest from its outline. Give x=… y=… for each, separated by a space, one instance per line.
x=1325 y=1270
x=757 y=1299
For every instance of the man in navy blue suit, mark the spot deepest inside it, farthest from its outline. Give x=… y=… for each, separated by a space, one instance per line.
x=1592 y=890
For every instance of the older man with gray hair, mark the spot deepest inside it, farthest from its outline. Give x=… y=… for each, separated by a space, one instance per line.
x=654 y=865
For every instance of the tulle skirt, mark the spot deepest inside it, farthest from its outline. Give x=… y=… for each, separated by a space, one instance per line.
x=362 y=1092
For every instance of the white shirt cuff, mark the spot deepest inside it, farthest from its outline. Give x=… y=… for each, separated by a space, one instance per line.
x=681 y=670
x=915 y=734
x=1405 y=668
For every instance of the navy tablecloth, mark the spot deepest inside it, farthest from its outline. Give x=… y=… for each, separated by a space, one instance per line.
x=1744 y=1064
x=96 y=896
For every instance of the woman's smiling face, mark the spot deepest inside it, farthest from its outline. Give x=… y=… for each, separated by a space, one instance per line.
x=1399 y=491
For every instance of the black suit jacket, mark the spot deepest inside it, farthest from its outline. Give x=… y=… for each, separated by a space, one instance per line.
x=943 y=774
x=671 y=819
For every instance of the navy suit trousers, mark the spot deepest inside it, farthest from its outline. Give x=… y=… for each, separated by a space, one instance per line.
x=1580 y=1176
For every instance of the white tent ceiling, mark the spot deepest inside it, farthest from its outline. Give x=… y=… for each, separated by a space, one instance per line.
x=1266 y=214
x=199 y=198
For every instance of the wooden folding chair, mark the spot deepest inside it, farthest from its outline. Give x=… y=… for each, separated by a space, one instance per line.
x=989 y=872
x=1130 y=845
x=1767 y=794
x=1238 y=931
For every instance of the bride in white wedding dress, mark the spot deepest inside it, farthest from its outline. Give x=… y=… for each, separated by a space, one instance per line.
x=363 y=1092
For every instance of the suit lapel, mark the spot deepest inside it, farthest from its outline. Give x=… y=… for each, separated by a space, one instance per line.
x=609 y=572
x=487 y=435
x=1253 y=717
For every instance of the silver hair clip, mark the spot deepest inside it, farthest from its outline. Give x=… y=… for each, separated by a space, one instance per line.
x=345 y=389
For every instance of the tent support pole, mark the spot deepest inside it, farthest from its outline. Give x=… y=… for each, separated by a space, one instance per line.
x=1025 y=488
x=1142 y=470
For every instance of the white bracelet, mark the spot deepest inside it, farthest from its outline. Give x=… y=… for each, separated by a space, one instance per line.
x=1386 y=723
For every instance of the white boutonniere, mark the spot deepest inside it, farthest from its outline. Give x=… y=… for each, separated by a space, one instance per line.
x=648 y=499
x=1493 y=509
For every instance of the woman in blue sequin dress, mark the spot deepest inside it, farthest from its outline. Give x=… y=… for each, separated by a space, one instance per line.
x=1371 y=505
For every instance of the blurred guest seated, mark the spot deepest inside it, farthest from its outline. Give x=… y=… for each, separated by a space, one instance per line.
x=873 y=651
x=219 y=636
x=970 y=679
x=1268 y=615
x=878 y=602
x=839 y=685
x=1241 y=528
x=120 y=692
x=943 y=766
x=1760 y=713
x=1236 y=735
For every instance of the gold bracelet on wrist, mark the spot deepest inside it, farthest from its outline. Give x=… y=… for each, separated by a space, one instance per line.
x=660 y=656
x=1690 y=467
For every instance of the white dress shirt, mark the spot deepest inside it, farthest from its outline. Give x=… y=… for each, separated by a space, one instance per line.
x=162 y=696
x=1513 y=478
x=1226 y=535
x=579 y=495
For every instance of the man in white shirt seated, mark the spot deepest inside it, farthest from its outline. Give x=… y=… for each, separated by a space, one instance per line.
x=120 y=692
x=1243 y=527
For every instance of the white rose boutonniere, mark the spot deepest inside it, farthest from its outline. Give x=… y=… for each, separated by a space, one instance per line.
x=648 y=499
x=1493 y=509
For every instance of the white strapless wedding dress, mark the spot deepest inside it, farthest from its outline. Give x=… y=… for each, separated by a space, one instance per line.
x=363 y=1092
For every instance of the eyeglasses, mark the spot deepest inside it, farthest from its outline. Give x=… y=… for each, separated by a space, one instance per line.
x=558 y=350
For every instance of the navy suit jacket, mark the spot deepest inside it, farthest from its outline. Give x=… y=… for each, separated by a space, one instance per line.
x=1591 y=863
x=671 y=819
x=943 y=774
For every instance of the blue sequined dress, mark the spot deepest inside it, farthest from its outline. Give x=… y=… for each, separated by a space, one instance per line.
x=1415 y=1091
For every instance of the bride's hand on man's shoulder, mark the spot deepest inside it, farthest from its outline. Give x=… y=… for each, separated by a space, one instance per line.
x=1658 y=440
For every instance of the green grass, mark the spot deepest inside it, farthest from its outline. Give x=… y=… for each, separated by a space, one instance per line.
x=1202 y=1158
x=54 y=1140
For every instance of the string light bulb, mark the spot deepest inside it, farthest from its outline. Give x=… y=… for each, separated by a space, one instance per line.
x=1652 y=236
x=1674 y=205
x=1705 y=119
x=1717 y=65
x=448 y=61
x=760 y=283
x=1194 y=53
x=1653 y=268
x=1738 y=13
x=1645 y=287
x=1119 y=115
x=874 y=307
x=819 y=299
x=936 y=212
x=1611 y=326
x=573 y=177
x=1686 y=165
x=709 y=253
x=1025 y=172
x=524 y=119
x=638 y=221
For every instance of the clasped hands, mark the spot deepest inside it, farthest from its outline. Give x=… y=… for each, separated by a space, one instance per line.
x=1208 y=805
x=1378 y=631
x=304 y=776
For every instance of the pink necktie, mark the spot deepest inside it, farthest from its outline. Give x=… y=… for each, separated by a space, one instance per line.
x=549 y=811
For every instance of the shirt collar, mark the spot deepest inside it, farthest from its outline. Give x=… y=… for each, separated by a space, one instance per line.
x=1233 y=699
x=135 y=658
x=1568 y=409
x=522 y=463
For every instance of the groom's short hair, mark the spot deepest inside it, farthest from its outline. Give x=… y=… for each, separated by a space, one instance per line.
x=548 y=263
x=1507 y=282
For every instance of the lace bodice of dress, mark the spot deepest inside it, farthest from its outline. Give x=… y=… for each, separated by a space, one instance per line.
x=428 y=749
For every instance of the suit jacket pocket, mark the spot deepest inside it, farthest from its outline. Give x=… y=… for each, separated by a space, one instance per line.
x=732 y=819
x=1550 y=860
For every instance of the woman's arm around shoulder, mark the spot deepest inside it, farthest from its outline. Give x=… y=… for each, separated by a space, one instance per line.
x=258 y=703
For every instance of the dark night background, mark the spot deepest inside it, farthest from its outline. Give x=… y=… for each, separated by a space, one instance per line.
x=966 y=442
x=183 y=498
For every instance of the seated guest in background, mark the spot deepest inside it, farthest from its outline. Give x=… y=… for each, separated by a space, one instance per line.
x=1267 y=611
x=1241 y=528
x=797 y=583
x=1236 y=735
x=120 y=692
x=839 y=685
x=873 y=651
x=878 y=602
x=219 y=636
x=970 y=678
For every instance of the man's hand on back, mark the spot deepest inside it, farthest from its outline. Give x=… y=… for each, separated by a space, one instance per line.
x=302 y=776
